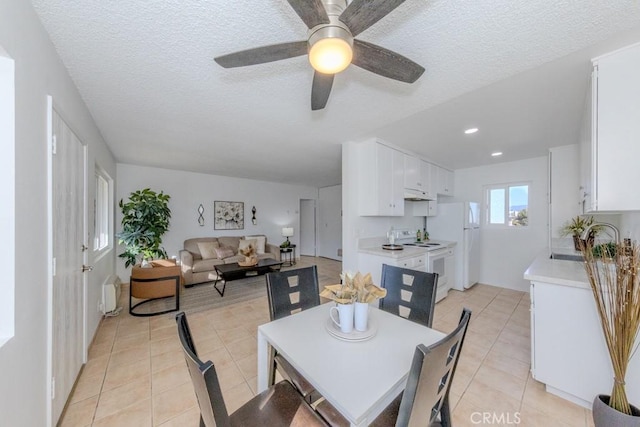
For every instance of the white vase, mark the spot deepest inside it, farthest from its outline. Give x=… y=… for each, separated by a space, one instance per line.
x=345 y=317
x=360 y=316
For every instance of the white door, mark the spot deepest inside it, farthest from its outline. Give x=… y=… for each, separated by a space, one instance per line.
x=307 y=227
x=67 y=294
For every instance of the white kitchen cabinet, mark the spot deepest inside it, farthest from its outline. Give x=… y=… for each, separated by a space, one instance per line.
x=380 y=180
x=610 y=154
x=425 y=208
x=568 y=350
x=429 y=183
x=368 y=263
x=445 y=181
x=413 y=178
x=417 y=176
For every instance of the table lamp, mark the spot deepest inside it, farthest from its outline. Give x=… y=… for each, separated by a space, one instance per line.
x=286 y=232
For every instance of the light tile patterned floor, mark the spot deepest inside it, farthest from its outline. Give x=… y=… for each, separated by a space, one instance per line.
x=136 y=374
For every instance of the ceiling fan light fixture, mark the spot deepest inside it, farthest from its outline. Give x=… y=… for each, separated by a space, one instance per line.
x=330 y=50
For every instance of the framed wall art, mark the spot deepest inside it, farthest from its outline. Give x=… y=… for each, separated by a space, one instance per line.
x=228 y=215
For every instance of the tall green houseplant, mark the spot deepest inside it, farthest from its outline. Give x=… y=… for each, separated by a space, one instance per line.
x=145 y=219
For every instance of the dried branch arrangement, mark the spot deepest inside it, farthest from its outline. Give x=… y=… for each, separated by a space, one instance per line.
x=356 y=288
x=615 y=284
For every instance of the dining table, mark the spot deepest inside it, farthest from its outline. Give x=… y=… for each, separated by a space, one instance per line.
x=360 y=373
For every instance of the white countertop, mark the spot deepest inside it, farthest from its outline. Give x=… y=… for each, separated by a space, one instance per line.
x=406 y=252
x=559 y=272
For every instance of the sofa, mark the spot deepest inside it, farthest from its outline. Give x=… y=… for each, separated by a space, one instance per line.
x=200 y=255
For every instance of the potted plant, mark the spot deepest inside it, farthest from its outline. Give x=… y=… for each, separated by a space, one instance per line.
x=615 y=282
x=576 y=226
x=145 y=218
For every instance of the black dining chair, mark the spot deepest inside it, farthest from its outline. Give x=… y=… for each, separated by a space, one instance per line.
x=410 y=293
x=425 y=400
x=289 y=292
x=280 y=405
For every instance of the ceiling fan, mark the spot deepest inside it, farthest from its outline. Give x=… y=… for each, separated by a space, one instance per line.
x=331 y=45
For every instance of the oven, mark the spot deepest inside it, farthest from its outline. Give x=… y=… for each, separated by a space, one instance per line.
x=441 y=261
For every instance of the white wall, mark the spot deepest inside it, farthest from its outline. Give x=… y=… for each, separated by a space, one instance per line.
x=277 y=204
x=507 y=252
x=354 y=226
x=330 y=222
x=39 y=72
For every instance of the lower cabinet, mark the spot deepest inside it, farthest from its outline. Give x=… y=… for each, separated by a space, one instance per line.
x=368 y=263
x=568 y=351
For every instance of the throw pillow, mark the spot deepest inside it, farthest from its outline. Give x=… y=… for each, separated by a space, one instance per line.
x=224 y=252
x=261 y=243
x=207 y=249
x=244 y=243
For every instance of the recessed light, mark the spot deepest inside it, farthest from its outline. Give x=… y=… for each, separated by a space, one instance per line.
x=496 y=154
x=471 y=130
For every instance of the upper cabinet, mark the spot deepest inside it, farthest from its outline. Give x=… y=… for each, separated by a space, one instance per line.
x=417 y=176
x=445 y=181
x=610 y=148
x=380 y=180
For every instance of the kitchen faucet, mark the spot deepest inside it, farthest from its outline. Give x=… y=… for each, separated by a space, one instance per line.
x=616 y=232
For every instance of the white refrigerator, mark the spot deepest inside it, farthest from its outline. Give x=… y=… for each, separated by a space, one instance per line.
x=460 y=222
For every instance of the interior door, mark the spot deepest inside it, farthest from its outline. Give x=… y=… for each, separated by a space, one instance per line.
x=307 y=227
x=68 y=166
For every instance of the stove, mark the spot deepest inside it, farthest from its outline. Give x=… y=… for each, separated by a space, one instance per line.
x=422 y=244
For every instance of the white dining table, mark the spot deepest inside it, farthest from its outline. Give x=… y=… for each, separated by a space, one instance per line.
x=358 y=378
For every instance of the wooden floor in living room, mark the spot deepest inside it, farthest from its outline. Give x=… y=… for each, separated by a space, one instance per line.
x=136 y=374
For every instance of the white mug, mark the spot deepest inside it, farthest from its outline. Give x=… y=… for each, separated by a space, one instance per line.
x=361 y=314
x=345 y=316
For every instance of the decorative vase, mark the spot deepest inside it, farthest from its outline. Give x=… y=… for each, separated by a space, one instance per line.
x=605 y=416
x=345 y=317
x=360 y=316
x=248 y=261
x=146 y=264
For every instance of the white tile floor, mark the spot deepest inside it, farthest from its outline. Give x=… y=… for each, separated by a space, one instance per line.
x=136 y=374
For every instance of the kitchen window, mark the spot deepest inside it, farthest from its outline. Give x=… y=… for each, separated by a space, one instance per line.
x=507 y=205
x=103 y=211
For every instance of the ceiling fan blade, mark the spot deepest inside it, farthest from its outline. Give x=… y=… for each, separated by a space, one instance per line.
x=321 y=89
x=385 y=62
x=261 y=55
x=361 y=14
x=312 y=12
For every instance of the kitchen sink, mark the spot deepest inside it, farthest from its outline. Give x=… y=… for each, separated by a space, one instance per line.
x=567 y=257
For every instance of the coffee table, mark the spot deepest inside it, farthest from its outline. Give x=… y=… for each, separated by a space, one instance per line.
x=234 y=271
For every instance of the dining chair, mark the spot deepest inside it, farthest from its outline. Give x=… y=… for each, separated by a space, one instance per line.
x=289 y=292
x=280 y=405
x=425 y=400
x=410 y=293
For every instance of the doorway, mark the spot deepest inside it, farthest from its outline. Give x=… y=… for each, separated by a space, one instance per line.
x=68 y=252
x=307 y=227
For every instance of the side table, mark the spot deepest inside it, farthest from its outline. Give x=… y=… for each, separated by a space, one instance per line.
x=288 y=255
x=151 y=284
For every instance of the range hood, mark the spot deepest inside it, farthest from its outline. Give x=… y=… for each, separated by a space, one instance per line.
x=411 y=194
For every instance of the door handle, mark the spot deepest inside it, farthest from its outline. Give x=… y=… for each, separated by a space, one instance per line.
x=87 y=268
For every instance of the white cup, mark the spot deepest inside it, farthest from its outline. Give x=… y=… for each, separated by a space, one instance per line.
x=345 y=317
x=361 y=314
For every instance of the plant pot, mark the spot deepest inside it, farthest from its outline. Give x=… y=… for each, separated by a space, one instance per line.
x=577 y=242
x=605 y=416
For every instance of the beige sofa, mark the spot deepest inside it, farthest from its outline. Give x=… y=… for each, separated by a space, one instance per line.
x=199 y=269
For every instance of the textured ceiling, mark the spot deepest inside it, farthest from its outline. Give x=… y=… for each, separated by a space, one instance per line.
x=146 y=72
